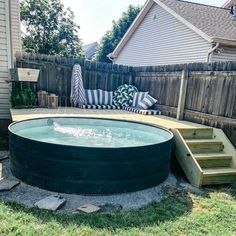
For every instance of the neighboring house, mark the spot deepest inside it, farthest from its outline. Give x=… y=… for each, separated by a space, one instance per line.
x=90 y=50
x=229 y=3
x=173 y=32
x=10 y=42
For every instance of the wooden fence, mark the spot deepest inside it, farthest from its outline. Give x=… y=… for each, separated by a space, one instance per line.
x=207 y=94
x=55 y=74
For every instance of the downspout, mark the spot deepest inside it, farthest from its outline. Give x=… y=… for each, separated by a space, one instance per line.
x=211 y=51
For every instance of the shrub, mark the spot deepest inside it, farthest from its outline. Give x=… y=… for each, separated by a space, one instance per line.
x=23 y=98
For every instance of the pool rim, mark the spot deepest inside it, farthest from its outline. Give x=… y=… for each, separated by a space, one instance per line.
x=92 y=118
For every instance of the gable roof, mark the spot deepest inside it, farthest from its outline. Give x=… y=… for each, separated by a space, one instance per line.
x=229 y=3
x=214 y=24
x=90 y=50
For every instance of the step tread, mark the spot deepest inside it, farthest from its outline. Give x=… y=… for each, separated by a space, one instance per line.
x=197 y=128
x=196 y=133
x=218 y=171
x=206 y=156
x=202 y=141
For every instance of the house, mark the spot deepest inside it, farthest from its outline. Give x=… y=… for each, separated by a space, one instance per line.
x=174 y=31
x=229 y=3
x=10 y=42
x=90 y=50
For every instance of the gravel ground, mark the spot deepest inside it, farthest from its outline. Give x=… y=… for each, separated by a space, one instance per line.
x=28 y=195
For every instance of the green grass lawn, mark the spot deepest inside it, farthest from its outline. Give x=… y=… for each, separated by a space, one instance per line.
x=213 y=213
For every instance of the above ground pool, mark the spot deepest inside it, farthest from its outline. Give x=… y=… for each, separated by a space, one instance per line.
x=89 y=156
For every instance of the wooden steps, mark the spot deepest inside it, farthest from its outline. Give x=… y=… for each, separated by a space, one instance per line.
x=206 y=155
x=218 y=171
x=219 y=176
x=208 y=160
x=200 y=133
x=205 y=145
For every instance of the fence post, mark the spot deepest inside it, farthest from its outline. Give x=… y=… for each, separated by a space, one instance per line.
x=182 y=94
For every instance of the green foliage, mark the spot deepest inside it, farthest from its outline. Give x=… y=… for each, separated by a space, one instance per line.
x=112 y=37
x=50 y=29
x=23 y=98
x=181 y=213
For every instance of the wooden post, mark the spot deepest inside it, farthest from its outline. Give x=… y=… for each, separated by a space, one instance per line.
x=182 y=94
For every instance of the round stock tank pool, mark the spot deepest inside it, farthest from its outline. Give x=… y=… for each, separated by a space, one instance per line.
x=88 y=155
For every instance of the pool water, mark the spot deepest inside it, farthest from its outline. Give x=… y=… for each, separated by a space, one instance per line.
x=104 y=133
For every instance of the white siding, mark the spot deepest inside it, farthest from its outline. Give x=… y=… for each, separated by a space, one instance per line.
x=4 y=60
x=162 y=39
x=9 y=43
x=226 y=54
x=15 y=26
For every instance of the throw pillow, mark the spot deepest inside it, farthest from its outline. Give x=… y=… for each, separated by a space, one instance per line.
x=124 y=94
x=138 y=97
x=147 y=102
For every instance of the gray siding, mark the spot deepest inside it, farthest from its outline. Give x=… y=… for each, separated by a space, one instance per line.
x=162 y=39
x=226 y=54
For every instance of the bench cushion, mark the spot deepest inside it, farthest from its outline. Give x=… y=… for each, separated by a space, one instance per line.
x=110 y=107
x=142 y=111
x=105 y=97
x=92 y=96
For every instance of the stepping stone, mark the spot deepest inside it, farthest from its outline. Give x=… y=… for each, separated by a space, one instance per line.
x=7 y=185
x=88 y=208
x=52 y=203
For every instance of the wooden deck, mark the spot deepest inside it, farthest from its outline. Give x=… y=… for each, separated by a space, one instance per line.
x=166 y=122
x=205 y=154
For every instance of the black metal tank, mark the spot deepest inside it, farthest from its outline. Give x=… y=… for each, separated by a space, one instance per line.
x=88 y=170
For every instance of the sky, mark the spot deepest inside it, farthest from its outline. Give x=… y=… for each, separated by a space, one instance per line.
x=95 y=16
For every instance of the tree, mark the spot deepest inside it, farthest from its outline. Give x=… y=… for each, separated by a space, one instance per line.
x=50 y=29
x=112 y=37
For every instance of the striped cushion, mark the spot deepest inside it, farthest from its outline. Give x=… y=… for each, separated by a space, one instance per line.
x=147 y=102
x=92 y=96
x=113 y=107
x=100 y=107
x=138 y=96
x=105 y=97
x=141 y=111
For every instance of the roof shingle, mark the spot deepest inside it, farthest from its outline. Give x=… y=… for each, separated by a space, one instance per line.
x=216 y=22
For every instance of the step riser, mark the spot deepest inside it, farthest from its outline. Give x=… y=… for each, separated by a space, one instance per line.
x=220 y=179
x=206 y=148
x=214 y=163
x=197 y=134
